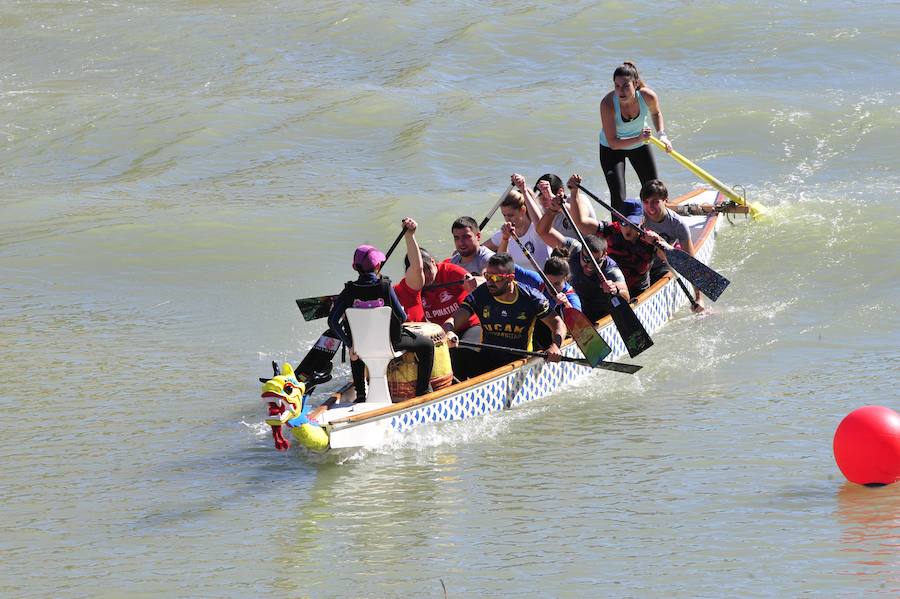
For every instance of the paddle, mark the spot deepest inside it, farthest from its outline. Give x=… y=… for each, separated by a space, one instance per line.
x=391 y=249
x=756 y=210
x=627 y=323
x=314 y=308
x=694 y=305
x=703 y=209
x=582 y=329
x=320 y=306
x=442 y=285
x=614 y=366
x=701 y=276
x=484 y=221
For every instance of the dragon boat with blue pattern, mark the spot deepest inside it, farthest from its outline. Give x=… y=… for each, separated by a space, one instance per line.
x=346 y=425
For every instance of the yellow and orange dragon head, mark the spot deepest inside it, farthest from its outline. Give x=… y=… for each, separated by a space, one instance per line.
x=285 y=394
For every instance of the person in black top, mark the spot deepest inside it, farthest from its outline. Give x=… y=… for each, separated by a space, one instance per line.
x=371 y=290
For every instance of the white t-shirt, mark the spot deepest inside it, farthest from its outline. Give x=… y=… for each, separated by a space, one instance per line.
x=672 y=228
x=561 y=223
x=539 y=250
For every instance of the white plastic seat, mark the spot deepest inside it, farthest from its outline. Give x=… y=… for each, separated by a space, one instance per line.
x=371 y=331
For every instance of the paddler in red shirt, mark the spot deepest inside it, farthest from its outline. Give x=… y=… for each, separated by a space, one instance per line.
x=439 y=302
x=415 y=273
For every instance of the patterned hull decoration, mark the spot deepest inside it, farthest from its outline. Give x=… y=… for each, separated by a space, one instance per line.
x=536 y=378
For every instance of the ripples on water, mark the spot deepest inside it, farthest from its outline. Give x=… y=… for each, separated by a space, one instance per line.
x=175 y=175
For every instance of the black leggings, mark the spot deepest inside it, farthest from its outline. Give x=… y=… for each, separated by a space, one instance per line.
x=420 y=345
x=613 y=164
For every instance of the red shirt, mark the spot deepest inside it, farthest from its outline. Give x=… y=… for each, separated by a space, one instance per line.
x=633 y=257
x=437 y=305
x=441 y=304
x=411 y=301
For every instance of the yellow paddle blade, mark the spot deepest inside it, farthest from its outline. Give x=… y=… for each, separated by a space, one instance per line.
x=757 y=211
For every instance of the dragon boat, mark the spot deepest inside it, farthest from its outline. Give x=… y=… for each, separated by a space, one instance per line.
x=340 y=423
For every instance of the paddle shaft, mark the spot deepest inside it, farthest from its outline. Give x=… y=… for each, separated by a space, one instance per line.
x=699 y=172
x=621 y=217
x=540 y=271
x=613 y=366
x=755 y=209
x=684 y=288
x=393 y=247
x=442 y=285
x=523 y=352
x=584 y=246
x=487 y=218
x=615 y=212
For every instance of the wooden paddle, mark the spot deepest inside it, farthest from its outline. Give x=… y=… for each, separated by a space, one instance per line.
x=614 y=366
x=756 y=210
x=326 y=405
x=582 y=329
x=320 y=306
x=701 y=276
x=627 y=323
x=487 y=218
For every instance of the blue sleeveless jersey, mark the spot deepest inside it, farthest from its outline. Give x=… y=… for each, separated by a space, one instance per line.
x=631 y=128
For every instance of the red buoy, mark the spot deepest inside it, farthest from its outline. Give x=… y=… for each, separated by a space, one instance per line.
x=867 y=446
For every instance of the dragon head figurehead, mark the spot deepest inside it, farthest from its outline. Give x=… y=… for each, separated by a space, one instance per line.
x=286 y=392
x=286 y=395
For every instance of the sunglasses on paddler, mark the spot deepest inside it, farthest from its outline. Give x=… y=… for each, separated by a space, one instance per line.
x=586 y=259
x=497 y=278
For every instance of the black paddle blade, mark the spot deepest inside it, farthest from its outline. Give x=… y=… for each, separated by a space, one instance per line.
x=614 y=366
x=619 y=367
x=709 y=282
x=630 y=328
x=315 y=307
x=316 y=365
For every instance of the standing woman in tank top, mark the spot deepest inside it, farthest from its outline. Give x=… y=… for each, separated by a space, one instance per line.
x=625 y=115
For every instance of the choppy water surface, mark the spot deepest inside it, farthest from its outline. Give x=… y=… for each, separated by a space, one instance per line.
x=174 y=174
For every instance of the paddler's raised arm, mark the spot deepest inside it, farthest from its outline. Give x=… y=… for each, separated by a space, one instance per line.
x=415 y=273
x=547 y=232
x=535 y=212
x=506 y=230
x=585 y=222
